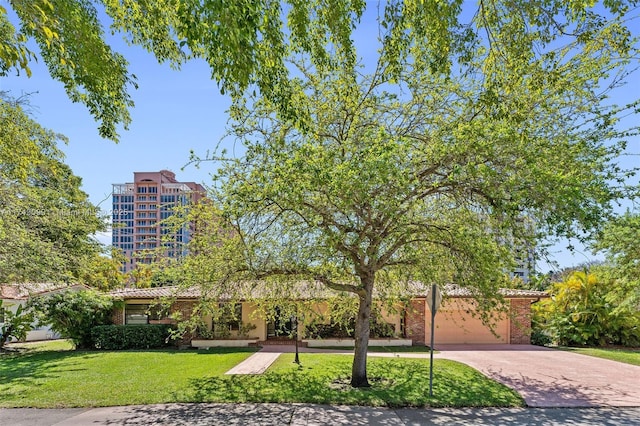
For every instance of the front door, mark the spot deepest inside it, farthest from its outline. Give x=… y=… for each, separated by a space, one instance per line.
x=281 y=327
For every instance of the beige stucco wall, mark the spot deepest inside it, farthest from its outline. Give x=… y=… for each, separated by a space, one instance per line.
x=393 y=318
x=250 y=316
x=321 y=309
x=454 y=323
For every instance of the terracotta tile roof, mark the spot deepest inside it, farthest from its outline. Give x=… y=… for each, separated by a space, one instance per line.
x=513 y=293
x=305 y=290
x=22 y=291
x=454 y=290
x=156 y=292
x=418 y=289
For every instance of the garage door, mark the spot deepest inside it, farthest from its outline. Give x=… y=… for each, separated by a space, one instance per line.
x=455 y=324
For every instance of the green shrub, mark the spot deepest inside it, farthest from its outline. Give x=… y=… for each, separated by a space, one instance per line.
x=346 y=329
x=14 y=325
x=74 y=313
x=540 y=338
x=587 y=310
x=121 y=337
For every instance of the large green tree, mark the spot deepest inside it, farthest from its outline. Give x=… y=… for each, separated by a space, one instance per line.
x=46 y=221
x=71 y=43
x=402 y=172
x=620 y=240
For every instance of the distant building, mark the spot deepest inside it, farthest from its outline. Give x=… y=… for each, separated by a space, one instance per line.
x=525 y=265
x=139 y=208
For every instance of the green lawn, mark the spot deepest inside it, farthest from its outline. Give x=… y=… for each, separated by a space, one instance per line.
x=87 y=379
x=628 y=356
x=324 y=378
x=84 y=379
x=48 y=345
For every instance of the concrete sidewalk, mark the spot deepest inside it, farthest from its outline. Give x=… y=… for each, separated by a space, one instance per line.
x=255 y=364
x=312 y=414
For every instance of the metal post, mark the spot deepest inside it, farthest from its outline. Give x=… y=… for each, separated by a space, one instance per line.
x=297 y=359
x=433 y=316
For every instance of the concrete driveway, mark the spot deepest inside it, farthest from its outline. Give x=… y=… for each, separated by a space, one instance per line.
x=553 y=378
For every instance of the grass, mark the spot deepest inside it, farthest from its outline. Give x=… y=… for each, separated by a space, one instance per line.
x=91 y=378
x=49 y=379
x=628 y=356
x=49 y=345
x=324 y=379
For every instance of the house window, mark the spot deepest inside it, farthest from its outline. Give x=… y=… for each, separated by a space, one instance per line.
x=230 y=317
x=1 y=315
x=139 y=314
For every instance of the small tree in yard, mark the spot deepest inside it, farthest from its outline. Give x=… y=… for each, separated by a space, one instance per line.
x=15 y=324
x=74 y=313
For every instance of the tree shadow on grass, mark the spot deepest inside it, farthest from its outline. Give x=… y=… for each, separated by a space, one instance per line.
x=19 y=372
x=37 y=365
x=395 y=383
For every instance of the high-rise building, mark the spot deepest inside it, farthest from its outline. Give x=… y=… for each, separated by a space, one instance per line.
x=525 y=265
x=139 y=207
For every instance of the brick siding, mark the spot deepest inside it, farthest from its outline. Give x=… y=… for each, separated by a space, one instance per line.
x=185 y=307
x=415 y=321
x=117 y=317
x=520 y=322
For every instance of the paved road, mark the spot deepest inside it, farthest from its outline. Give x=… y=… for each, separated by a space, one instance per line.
x=309 y=414
x=553 y=378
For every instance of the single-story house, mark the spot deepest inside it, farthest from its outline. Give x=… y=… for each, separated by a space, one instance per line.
x=455 y=322
x=16 y=294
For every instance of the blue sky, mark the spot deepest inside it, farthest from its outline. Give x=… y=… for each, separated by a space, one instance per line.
x=175 y=112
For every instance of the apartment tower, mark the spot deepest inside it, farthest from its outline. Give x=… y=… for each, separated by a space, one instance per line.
x=139 y=207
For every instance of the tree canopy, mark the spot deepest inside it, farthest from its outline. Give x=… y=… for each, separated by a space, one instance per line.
x=620 y=240
x=46 y=220
x=72 y=44
x=248 y=43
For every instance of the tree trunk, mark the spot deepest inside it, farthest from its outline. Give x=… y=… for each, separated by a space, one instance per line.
x=359 y=368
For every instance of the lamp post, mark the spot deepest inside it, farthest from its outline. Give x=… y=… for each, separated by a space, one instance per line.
x=434 y=298
x=294 y=323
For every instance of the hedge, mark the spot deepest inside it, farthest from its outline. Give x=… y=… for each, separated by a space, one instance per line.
x=120 y=337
